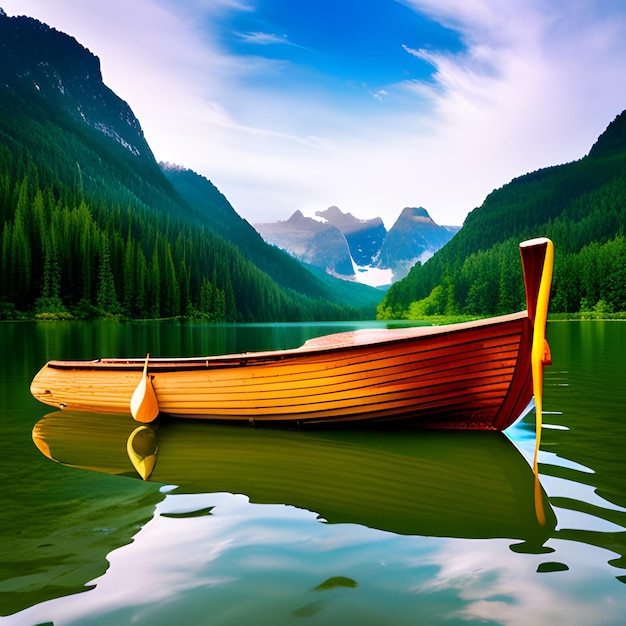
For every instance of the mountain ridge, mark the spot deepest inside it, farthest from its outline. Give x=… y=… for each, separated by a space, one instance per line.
x=58 y=67
x=203 y=194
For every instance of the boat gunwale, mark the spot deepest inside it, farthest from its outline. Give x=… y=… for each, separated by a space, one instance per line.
x=313 y=347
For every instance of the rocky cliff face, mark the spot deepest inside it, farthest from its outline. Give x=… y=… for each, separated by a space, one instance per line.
x=38 y=62
x=414 y=237
x=364 y=237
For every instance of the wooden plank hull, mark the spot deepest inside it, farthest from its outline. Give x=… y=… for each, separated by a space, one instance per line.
x=473 y=375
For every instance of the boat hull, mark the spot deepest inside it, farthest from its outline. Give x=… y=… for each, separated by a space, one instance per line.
x=474 y=375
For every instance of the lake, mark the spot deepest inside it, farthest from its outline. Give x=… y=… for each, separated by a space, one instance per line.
x=242 y=525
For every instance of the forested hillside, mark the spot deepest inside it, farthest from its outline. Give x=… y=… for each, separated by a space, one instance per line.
x=581 y=206
x=91 y=226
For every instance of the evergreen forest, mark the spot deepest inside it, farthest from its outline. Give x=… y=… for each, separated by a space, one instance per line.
x=65 y=254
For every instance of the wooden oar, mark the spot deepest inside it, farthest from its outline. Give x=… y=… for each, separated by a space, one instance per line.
x=144 y=406
x=540 y=354
x=142 y=450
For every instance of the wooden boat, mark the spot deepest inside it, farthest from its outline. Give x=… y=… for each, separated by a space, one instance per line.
x=430 y=483
x=475 y=375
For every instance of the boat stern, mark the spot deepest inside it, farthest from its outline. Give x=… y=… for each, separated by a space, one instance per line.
x=43 y=389
x=84 y=385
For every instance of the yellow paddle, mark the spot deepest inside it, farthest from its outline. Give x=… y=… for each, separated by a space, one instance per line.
x=144 y=406
x=540 y=355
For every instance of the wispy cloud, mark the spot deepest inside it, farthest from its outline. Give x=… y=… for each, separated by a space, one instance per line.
x=522 y=46
x=265 y=39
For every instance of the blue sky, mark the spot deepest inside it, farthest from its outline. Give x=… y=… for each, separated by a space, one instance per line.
x=368 y=105
x=354 y=48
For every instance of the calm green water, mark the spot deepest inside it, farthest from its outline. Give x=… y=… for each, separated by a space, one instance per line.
x=256 y=526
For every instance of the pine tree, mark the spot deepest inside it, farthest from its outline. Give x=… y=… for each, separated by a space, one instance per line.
x=106 y=298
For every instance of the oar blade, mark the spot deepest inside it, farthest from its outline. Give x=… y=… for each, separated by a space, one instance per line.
x=144 y=406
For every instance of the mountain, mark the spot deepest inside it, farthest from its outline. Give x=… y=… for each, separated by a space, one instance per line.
x=312 y=242
x=59 y=116
x=580 y=205
x=91 y=225
x=364 y=237
x=413 y=237
x=68 y=79
x=343 y=241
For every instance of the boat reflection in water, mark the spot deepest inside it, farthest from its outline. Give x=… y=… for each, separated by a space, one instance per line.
x=429 y=483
